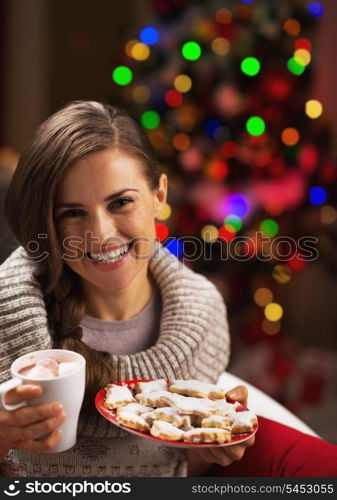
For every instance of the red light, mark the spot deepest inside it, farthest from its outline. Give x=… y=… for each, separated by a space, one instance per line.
x=226 y=235
x=303 y=43
x=162 y=231
x=229 y=149
x=217 y=170
x=173 y=98
x=296 y=264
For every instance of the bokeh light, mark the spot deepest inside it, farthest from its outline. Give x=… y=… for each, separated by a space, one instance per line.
x=122 y=75
x=162 y=231
x=303 y=43
x=150 y=119
x=220 y=46
x=191 y=51
x=313 y=108
x=224 y=16
x=128 y=47
x=173 y=98
x=250 y=66
x=269 y=228
x=175 y=246
x=237 y=204
x=271 y=327
x=165 y=213
x=318 y=195
x=290 y=136
x=149 y=35
x=328 y=214
x=255 y=125
x=182 y=83
x=140 y=94
x=282 y=274
x=209 y=233
x=273 y=311
x=233 y=223
x=302 y=56
x=225 y=235
x=316 y=9
x=140 y=51
x=181 y=142
x=263 y=296
x=295 y=67
x=292 y=27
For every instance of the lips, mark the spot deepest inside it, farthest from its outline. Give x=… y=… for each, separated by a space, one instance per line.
x=105 y=251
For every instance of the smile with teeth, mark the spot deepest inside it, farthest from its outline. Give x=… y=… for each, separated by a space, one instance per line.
x=109 y=257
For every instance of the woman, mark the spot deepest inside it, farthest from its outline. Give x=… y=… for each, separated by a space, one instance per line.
x=89 y=276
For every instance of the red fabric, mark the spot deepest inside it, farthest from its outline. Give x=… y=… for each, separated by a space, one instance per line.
x=280 y=451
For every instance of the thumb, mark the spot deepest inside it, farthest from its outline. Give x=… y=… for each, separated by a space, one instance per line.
x=239 y=393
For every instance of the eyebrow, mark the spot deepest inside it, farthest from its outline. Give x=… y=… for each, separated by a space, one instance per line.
x=108 y=198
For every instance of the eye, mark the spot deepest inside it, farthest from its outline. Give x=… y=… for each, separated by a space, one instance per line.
x=69 y=214
x=120 y=203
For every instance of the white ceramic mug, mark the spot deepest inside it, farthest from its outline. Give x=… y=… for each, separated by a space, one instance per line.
x=67 y=389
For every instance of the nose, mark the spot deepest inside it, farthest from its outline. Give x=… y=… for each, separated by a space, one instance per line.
x=102 y=228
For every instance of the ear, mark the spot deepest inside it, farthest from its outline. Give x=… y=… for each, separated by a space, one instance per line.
x=160 y=195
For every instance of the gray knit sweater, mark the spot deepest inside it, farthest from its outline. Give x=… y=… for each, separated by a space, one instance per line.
x=193 y=342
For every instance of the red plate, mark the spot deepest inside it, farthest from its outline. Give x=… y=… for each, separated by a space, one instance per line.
x=111 y=416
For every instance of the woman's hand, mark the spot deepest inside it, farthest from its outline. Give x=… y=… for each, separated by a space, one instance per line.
x=20 y=428
x=200 y=459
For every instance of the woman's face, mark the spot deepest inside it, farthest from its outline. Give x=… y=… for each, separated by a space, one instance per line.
x=103 y=208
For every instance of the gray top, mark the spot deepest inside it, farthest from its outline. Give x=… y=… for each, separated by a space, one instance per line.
x=127 y=336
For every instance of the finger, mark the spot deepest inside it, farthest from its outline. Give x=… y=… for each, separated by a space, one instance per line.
x=34 y=431
x=239 y=393
x=29 y=414
x=42 y=446
x=22 y=393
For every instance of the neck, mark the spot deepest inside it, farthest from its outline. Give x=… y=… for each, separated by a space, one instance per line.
x=123 y=305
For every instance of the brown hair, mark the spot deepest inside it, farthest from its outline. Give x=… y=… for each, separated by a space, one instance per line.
x=81 y=127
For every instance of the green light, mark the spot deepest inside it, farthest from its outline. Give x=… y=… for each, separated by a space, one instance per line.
x=191 y=51
x=255 y=125
x=122 y=75
x=250 y=66
x=233 y=223
x=150 y=119
x=295 y=67
x=269 y=227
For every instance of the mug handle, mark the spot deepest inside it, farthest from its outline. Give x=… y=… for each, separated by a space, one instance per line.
x=7 y=386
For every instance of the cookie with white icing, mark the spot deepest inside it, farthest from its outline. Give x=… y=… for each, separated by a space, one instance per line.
x=136 y=408
x=165 y=430
x=195 y=388
x=243 y=421
x=151 y=386
x=216 y=421
x=133 y=420
x=152 y=398
x=207 y=435
x=117 y=395
x=191 y=406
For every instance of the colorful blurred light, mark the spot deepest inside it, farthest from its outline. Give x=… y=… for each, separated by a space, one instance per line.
x=328 y=214
x=140 y=94
x=269 y=228
x=191 y=51
x=209 y=233
x=250 y=66
x=292 y=27
x=313 y=108
x=224 y=16
x=303 y=43
x=213 y=128
x=173 y=98
x=175 y=246
x=165 y=213
x=271 y=327
x=128 y=47
x=229 y=149
x=263 y=296
x=150 y=119
x=226 y=235
x=237 y=204
x=182 y=83
x=140 y=51
x=233 y=223
x=318 y=195
x=316 y=9
x=295 y=67
x=302 y=56
x=122 y=75
x=255 y=125
x=220 y=46
x=181 y=142
x=149 y=35
x=296 y=263
x=282 y=274
x=290 y=136
x=273 y=311
x=217 y=169
x=162 y=231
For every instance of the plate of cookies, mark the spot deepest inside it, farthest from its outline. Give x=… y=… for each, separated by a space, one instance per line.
x=183 y=413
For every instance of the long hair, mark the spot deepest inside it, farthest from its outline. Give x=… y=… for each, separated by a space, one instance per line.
x=81 y=127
